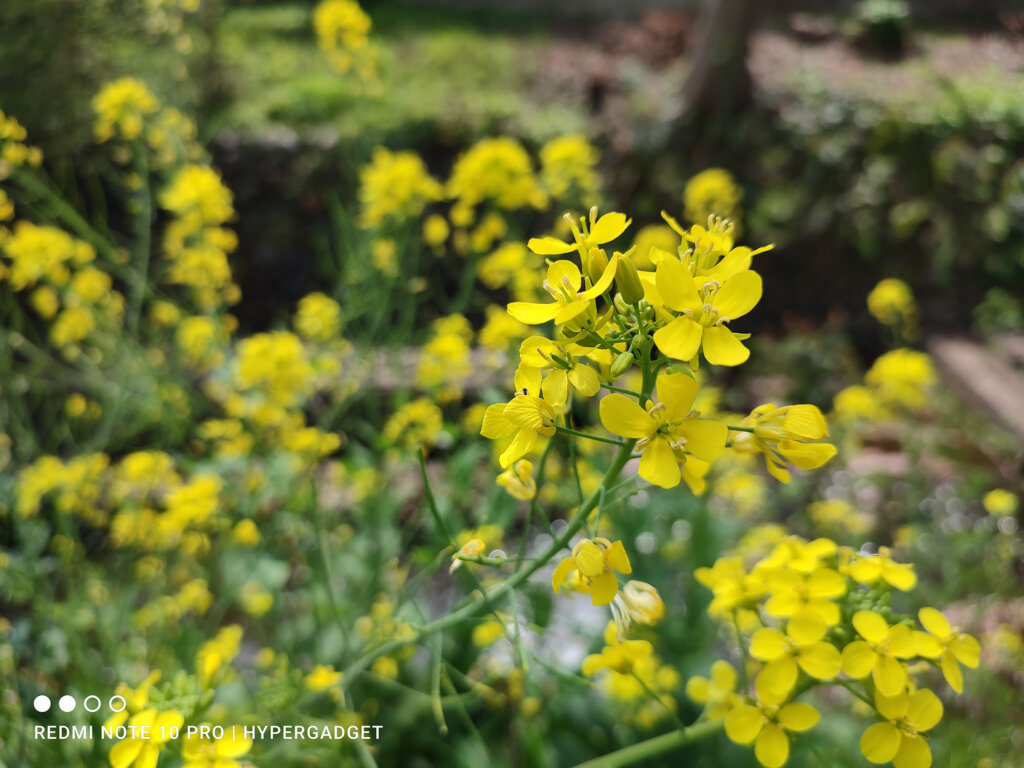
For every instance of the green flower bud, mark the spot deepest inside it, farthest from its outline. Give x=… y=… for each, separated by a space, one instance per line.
x=622 y=364
x=627 y=280
x=597 y=262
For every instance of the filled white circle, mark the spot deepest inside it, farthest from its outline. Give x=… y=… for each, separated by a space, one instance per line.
x=67 y=703
x=94 y=709
x=41 y=703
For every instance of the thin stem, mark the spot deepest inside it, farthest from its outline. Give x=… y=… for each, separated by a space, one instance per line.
x=622 y=391
x=661 y=702
x=482 y=598
x=656 y=746
x=741 y=429
x=598 y=438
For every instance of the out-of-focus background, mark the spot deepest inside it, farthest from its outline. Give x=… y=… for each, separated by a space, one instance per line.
x=879 y=145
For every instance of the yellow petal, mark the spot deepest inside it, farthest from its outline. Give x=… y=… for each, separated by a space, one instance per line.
x=871 y=626
x=913 y=753
x=615 y=556
x=776 y=680
x=721 y=347
x=124 y=753
x=806 y=627
x=890 y=676
x=521 y=445
x=556 y=387
x=804 y=422
x=570 y=310
x=495 y=426
x=967 y=650
x=798 y=716
x=677 y=287
x=738 y=295
x=926 y=645
x=723 y=675
x=533 y=314
x=767 y=644
x=924 y=710
x=593 y=663
x=549 y=246
x=880 y=742
x=680 y=339
x=603 y=588
x=892 y=707
x=607 y=228
x=605 y=281
x=621 y=415
x=658 y=464
x=589 y=559
x=562 y=571
x=232 y=747
x=902 y=642
x=806 y=455
x=585 y=379
x=704 y=439
x=934 y=622
x=697 y=689
x=148 y=756
x=564 y=275
x=858 y=659
x=825 y=582
x=899 y=575
x=820 y=660
x=536 y=351
x=744 y=723
x=676 y=391
x=772 y=747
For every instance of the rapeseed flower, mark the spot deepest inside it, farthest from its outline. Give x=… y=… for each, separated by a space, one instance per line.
x=596 y=562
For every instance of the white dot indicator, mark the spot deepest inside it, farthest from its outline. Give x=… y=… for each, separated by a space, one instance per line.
x=41 y=703
x=67 y=703
x=95 y=708
x=121 y=702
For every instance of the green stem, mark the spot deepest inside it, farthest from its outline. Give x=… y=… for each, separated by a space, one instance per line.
x=482 y=598
x=656 y=746
x=598 y=438
x=741 y=429
x=610 y=388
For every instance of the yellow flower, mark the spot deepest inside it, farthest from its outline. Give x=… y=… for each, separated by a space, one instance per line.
x=201 y=752
x=717 y=694
x=564 y=282
x=245 y=533
x=637 y=601
x=121 y=107
x=768 y=725
x=668 y=431
x=435 y=230
x=564 y=367
x=617 y=655
x=525 y=416
x=342 y=32
x=1000 y=502
x=892 y=302
x=601 y=230
x=144 y=752
x=318 y=317
x=899 y=738
x=395 y=186
x=786 y=435
x=809 y=595
x=867 y=569
x=518 y=481
x=472 y=548
x=596 y=562
x=801 y=647
x=879 y=653
x=498 y=170
x=902 y=377
x=322 y=677
x=954 y=646
x=705 y=313
x=712 y=192
x=568 y=166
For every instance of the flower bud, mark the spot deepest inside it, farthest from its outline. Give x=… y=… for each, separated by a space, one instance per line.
x=622 y=364
x=627 y=280
x=597 y=262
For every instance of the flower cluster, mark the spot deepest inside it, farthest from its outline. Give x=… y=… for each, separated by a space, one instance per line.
x=712 y=192
x=891 y=302
x=342 y=32
x=811 y=613
x=899 y=380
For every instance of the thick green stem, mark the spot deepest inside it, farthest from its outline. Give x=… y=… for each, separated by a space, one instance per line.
x=656 y=746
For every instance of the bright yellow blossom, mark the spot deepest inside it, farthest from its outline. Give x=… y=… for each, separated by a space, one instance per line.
x=717 y=693
x=668 y=431
x=527 y=417
x=868 y=569
x=899 y=739
x=956 y=646
x=564 y=284
x=201 y=752
x=800 y=647
x=596 y=561
x=787 y=435
x=518 y=481
x=880 y=652
x=154 y=729
x=767 y=725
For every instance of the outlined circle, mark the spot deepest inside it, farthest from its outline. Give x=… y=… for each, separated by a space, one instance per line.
x=85 y=703
x=41 y=703
x=67 y=703
x=110 y=703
